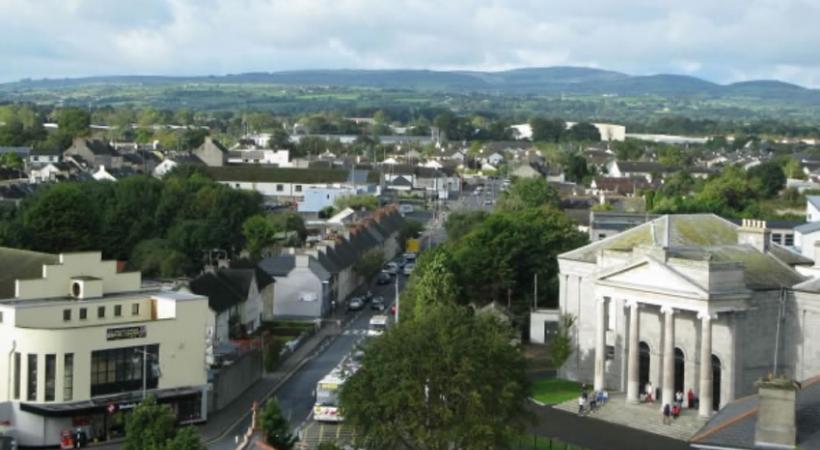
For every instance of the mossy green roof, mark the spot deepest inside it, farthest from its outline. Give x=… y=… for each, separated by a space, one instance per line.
x=686 y=230
x=20 y=264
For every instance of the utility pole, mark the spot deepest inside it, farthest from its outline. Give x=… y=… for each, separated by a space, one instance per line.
x=535 y=293
x=398 y=308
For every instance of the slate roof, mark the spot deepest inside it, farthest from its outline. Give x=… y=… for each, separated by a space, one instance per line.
x=279 y=265
x=21 y=264
x=401 y=181
x=260 y=173
x=222 y=294
x=22 y=152
x=643 y=167
x=814 y=200
x=807 y=228
x=734 y=425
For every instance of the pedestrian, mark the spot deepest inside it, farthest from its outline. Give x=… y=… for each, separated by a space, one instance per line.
x=593 y=403
x=605 y=394
x=679 y=398
x=599 y=398
x=581 y=403
x=584 y=392
x=690 y=397
x=649 y=392
x=675 y=411
x=667 y=414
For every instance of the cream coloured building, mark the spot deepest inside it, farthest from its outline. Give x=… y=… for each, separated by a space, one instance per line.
x=81 y=340
x=689 y=302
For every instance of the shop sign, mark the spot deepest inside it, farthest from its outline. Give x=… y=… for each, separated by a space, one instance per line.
x=117 y=334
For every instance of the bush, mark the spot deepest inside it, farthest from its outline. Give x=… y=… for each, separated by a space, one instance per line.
x=272 y=352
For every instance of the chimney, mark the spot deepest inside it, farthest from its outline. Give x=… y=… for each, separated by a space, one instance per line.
x=776 y=416
x=754 y=233
x=302 y=261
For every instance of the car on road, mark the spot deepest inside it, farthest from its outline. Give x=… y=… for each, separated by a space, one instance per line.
x=368 y=296
x=408 y=269
x=488 y=203
x=378 y=303
x=355 y=304
x=409 y=257
x=404 y=208
x=383 y=277
x=392 y=268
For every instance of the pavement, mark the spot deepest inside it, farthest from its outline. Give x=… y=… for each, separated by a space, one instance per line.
x=294 y=382
x=594 y=434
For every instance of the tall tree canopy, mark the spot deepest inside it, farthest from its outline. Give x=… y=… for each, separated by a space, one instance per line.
x=447 y=379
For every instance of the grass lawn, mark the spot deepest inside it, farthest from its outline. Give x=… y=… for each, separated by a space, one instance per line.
x=554 y=390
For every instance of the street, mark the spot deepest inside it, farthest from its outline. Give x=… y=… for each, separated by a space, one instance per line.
x=295 y=396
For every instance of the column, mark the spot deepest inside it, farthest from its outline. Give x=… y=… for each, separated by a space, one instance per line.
x=632 y=375
x=705 y=394
x=600 y=345
x=668 y=388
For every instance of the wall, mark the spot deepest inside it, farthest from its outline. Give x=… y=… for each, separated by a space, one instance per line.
x=289 y=291
x=231 y=381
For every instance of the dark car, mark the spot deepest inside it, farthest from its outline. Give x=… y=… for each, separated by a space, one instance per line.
x=377 y=303
x=367 y=296
x=355 y=304
x=383 y=278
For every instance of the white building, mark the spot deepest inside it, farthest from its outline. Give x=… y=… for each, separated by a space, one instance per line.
x=291 y=184
x=278 y=158
x=608 y=131
x=689 y=302
x=80 y=337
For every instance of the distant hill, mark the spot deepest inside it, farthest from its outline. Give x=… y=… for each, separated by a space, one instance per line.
x=527 y=81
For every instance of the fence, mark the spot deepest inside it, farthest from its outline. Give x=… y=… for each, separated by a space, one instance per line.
x=535 y=442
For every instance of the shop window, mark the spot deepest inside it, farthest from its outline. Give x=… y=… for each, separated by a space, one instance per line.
x=68 y=377
x=31 y=394
x=120 y=370
x=51 y=375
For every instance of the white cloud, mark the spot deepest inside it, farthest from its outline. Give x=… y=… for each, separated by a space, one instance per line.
x=723 y=40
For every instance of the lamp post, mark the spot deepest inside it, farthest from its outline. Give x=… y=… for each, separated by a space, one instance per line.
x=145 y=355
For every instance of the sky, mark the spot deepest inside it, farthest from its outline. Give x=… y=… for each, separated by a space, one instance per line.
x=720 y=40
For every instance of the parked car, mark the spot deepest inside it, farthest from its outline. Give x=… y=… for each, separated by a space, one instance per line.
x=408 y=269
x=383 y=277
x=392 y=268
x=368 y=296
x=377 y=303
x=355 y=304
x=405 y=208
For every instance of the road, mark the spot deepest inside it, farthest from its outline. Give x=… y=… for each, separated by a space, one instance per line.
x=296 y=395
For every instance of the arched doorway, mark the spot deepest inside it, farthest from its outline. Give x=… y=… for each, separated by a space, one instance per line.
x=643 y=366
x=679 y=369
x=716 y=371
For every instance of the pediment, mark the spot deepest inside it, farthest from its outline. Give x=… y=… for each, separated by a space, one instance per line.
x=648 y=274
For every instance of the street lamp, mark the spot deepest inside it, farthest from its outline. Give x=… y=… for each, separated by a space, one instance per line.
x=145 y=355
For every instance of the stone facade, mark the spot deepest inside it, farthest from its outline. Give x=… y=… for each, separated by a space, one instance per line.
x=688 y=302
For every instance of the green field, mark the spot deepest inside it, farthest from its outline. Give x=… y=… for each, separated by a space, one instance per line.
x=553 y=390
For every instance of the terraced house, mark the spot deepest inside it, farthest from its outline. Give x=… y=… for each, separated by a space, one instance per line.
x=690 y=302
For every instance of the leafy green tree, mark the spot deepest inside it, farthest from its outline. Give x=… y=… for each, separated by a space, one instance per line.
x=576 y=168
x=729 y=193
x=157 y=257
x=357 y=202
x=186 y=438
x=328 y=446
x=794 y=170
x=528 y=193
x=678 y=183
x=771 y=177
x=290 y=221
x=584 y=132
x=410 y=229
x=460 y=223
x=11 y=161
x=150 y=426
x=547 y=130
x=369 y=263
x=74 y=122
x=259 y=233
x=628 y=150
x=561 y=344
x=61 y=219
x=276 y=427
x=434 y=286
x=449 y=379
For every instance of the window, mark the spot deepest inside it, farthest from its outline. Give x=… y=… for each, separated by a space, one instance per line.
x=17 y=369
x=279 y=188
x=237 y=185
x=298 y=188
x=610 y=314
x=101 y=312
x=117 y=310
x=120 y=369
x=776 y=238
x=66 y=315
x=32 y=378
x=83 y=313
x=135 y=309
x=1 y=316
x=51 y=373
x=68 y=377
x=601 y=236
x=789 y=241
x=610 y=352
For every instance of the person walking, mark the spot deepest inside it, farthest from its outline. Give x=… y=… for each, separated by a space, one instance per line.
x=690 y=397
x=679 y=398
x=581 y=403
x=605 y=394
x=650 y=392
x=667 y=413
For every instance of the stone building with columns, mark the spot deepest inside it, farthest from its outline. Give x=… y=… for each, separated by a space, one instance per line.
x=689 y=301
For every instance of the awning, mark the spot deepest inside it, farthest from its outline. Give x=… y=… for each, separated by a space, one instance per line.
x=100 y=404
